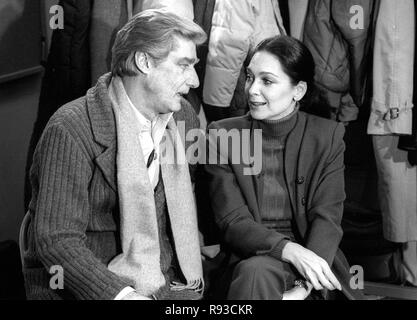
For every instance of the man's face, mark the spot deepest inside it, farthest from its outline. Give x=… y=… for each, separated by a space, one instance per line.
x=172 y=78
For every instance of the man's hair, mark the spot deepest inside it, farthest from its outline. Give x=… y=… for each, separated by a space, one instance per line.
x=151 y=32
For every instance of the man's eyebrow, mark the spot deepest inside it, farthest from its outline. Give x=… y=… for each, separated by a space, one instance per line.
x=189 y=60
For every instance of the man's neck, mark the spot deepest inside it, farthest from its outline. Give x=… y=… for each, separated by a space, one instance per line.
x=137 y=96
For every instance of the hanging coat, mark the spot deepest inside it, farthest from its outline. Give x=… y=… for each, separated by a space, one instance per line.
x=67 y=71
x=298 y=12
x=393 y=59
x=237 y=27
x=340 y=46
x=183 y=8
x=107 y=17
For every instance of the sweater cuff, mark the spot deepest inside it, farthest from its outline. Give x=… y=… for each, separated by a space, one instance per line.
x=276 y=252
x=124 y=293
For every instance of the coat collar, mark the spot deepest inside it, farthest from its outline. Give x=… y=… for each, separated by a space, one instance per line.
x=100 y=111
x=103 y=126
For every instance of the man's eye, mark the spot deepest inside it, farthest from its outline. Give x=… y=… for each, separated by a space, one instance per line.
x=184 y=66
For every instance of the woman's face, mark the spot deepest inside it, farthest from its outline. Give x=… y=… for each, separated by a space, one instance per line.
x=269 y=90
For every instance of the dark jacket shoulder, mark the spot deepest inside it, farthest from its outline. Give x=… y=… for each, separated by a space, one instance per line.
x=73 y=118
x=240 y=122
x=315 y=123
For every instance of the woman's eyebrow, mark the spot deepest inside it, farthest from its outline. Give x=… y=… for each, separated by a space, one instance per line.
x=263 y=73
x=269 y=73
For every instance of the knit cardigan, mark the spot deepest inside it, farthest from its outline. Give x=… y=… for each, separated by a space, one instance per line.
x=74 y=207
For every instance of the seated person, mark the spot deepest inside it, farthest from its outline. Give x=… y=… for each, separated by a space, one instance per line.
x=107 y=207
x=282 y=222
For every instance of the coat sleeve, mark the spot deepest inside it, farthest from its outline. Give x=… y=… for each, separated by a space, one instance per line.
x=326 y=209
x=62 y=215
x=241 y=233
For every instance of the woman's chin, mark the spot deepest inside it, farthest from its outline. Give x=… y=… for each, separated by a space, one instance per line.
x=257 y=114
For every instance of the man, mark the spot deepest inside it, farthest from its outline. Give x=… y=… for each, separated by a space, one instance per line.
x=109 y=208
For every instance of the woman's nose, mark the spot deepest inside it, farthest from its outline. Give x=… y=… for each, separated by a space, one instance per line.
x=252 y=88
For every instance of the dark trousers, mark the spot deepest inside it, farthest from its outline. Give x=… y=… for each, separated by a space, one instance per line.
x=261 y=278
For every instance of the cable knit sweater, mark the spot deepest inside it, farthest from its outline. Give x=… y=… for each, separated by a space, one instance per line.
x=74 y=207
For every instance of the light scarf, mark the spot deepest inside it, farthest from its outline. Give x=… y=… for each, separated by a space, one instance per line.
x=140 y=259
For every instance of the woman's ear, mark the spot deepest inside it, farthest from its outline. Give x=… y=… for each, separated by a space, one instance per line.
x=142 y=62
x=300 y=90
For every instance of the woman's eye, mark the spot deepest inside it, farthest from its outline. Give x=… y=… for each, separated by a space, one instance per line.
x=267 y=82
x=249 y=77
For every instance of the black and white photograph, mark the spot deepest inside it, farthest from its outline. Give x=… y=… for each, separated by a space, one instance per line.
x=208 y=157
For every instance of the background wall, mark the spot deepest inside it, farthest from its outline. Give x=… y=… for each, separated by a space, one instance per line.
x=18 y=108
x=20 y=38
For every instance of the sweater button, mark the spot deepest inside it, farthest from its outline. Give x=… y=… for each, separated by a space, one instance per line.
x=303 y=201
x=300 y=180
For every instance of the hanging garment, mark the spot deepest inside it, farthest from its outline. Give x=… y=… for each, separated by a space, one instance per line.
x=409 y=143
x=298 y=12
x=397 y=189
x=393 y=69
x=107 y=17
x=409 y=263
x=340 y=42
x=203 y=14
x=237 y=27
x=183 y=8
x=67 y=71
x=285 y=13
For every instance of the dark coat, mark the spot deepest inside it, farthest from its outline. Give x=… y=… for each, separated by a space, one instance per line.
x=67 y=71
x=342 y=54
x=314 y=173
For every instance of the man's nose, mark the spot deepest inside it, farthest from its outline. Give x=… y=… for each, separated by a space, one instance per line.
x=192 y=80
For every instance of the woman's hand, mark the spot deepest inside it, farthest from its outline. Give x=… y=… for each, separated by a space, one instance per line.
x=312 y=267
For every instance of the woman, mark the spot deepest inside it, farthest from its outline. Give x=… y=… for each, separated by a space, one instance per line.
x=282 y=225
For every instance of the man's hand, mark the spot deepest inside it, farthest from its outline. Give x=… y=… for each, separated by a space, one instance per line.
x=312 y=267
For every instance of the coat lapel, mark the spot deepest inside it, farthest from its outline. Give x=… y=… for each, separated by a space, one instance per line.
x=104 y=129
x=249 y=184
x=257 y=179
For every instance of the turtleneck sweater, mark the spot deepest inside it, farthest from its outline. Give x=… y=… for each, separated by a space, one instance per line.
x=276 y=212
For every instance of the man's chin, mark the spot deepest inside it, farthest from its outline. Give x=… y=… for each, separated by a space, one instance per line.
x=173 y=108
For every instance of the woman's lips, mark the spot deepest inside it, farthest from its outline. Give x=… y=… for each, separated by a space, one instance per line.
x=256 y=103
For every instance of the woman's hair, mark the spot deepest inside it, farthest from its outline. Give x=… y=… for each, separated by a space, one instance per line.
x=298 y=63
x=151 y=32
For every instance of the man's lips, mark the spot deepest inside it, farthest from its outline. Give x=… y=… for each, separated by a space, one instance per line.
x=182 y=94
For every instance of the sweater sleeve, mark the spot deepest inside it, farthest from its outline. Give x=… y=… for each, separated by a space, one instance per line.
x=62 y=215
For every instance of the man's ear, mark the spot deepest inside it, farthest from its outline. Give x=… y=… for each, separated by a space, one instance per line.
x=142 y=62
x=300 y=90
